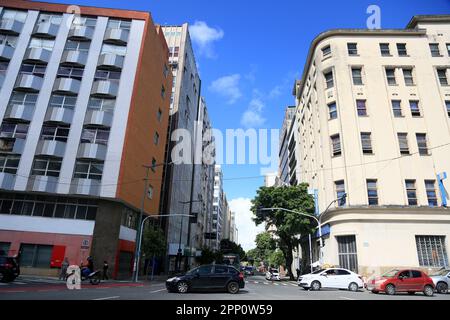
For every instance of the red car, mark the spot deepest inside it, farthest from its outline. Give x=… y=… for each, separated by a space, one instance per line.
x=410 y=281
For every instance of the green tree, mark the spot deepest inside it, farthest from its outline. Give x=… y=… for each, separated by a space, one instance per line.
x=288 y=225
x=208 y=256
x=277 y=258
x=153 y=242
x=228 y=246
x=265 y=245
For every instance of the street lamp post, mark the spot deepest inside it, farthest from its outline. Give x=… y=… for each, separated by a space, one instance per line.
x=179 y=253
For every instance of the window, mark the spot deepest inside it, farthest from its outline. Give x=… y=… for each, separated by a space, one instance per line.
x=150 y=191
x=46 y=167
x=8 y=14
x=33 y=69
x=51 y=18
x=384 y=49
x=431 y=193
x=336 y=144
x=366 y=142
x=372 y=192
x=422 y=143
x=397 y=108
x=39 y=43
x=70 y=72
x=416 y=274
x=165 y=71
x=434 y=49
x=326 y=51
x=390 y=76
x=414 y=106
x=357 y=76
x=88 y=170
x=62 y=101
x=408 y=76
x=220 y=269
x=431 y=251
x=163 y=92
x=54 y=132
x=3 y=67
x=114 y=49
x=340 y=192
x=447 y=105
x=348 y=257
x=8 y=40
x=401 y=49
x=403 y=142
x=82 y=46
x=159 y=115
x=361 y=107
x=84 y=22
x=107 y=75
x=352 y=49
x=442 y=75
x=35 y=255
x=9 y=163
x=332 y=110
x=95 y=135
x=101 y=104
x=13 y=130
x=174 y=51
x=156 y=138
x=411 y=192
x=119 y=24
x=153 y=167
x=329 y=79
x=22 y=98
x=448 y=48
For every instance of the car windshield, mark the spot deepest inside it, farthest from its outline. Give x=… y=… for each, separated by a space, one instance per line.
x=442 y=272
x=192 y=271
x=390 y=274
x=318 y=271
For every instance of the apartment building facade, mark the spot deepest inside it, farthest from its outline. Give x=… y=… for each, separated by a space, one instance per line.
x=74 y=108
x=218 y=209
x=373 y=116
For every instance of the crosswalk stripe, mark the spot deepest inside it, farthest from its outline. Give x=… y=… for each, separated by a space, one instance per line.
x=277 y=284
x=284 y=284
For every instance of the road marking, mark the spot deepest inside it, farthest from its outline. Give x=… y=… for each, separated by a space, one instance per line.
x=346 y=298
x=255 y=281
x=284 y=284
x=106 y=298
x=295 y=285
x=157 y=290
x=277 y=284
x=266 y=283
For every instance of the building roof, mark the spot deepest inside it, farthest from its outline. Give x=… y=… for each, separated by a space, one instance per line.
x=427 y=18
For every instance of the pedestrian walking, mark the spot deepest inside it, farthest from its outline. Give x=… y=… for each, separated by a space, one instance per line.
x=64 y=266
x=105 y=270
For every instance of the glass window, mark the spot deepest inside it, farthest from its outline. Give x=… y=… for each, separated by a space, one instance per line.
x=70 y=72
x=414 y=106
x=422 y=143
x=332 y=110
x=357 y=76
x=95 y=135
x=403 y=142
x=39 y=43
x=340 y=192
x=447 y=106
x=79 y=21
x=329 y=79
x=204 y=270
x=220 y=269
x=163 y=92
x=73 y=45
x=326 y=51
x=448 y=48
x=372 y=192
x=156 y=138
x=401 y=49
x=18 y=15
x=113 y=49
x=34 y=69
x=46 y=167
x=366 y=142
x=384 y=49
x=13 y=130
x=88 y=170
x=62 y=101
x=431 y=192
x=397 y=108
x=55 y=132
x=9 y=163
x=348 y=257
x=431 y=251
x=352 y=49
x=107 y=75
x=22 y=98
x=336 y=144
x=119 y=24
x=442 y=75
x=8 y=40
x=434 y=48
x=361 y=107
x=408 y=76
x=150 y=191
x=101 y=104
x=153 y=164
x=390 y=75
x=411 y=192
x=159 y=113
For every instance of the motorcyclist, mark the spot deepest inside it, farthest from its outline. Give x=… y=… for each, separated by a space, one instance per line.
x=85 y=271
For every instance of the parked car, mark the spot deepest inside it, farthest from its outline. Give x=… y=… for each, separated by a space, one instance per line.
x=441 y=280
x=403 y=280
x=273 y=274
x=249 y=271
x=9 y=269
x=208 y=278
x=337 y=278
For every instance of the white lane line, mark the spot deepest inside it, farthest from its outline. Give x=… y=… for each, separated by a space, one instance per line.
x=277 y=284
x=266 y=283
x=157 y=290
x=256 y=281
x=284 y=284
x=106 y=298
x=347 y=298
x=294 y=285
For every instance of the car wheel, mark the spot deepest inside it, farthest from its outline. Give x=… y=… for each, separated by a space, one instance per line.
x=441 y=287
x=315 y=286
x=305 y=288
x=428 y=291
x=390 y=289
x=182 y=287
x=353 y=287
x=233 y=287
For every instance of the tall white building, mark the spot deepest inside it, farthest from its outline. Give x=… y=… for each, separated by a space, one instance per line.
x=373 y=116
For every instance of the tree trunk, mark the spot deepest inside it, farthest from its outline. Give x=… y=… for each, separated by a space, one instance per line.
x=289 y=259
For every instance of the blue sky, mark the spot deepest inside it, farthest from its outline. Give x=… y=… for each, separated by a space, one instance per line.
x=250 y=52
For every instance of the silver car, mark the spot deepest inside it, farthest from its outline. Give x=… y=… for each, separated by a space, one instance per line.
x=441 y=280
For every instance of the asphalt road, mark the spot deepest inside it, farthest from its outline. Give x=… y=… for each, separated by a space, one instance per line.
x=256 y=288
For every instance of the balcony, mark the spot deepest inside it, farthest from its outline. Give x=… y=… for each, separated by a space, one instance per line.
x=51 y=148
x=6 y=52
x=7 y=180
x=55 y=114
x=28 y=82
x=92 y=151
x=42 y=184
x=116 y=36
x=37 y=55
x=100 y=118
x=10 y=26
x=105 y=88
x=11 y=145
x=74 y=57
x=110 y=61
x=67 y=86
x=85 y=186
x=19 y=112
x=81 y=33
x=46 y=29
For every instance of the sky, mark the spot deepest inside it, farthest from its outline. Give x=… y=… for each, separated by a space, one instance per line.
x=250 y=52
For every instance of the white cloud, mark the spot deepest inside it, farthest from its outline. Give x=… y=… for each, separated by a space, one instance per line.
x=247 y=230
x=252 y=117
x=275 y=92
x=204 y=36
x=227 y=86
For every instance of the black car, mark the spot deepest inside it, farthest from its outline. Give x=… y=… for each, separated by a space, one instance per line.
x=208 y=278
x=9 y=269
x=249 y=270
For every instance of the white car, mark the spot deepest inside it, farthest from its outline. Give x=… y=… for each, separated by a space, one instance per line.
x=337 y=278
x=273 y=274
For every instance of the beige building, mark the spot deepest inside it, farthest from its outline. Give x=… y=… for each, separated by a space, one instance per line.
x=373 y=119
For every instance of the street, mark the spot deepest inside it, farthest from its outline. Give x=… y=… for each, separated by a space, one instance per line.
x=256 y=288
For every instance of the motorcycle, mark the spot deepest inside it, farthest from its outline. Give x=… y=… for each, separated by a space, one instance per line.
x=93 y=277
